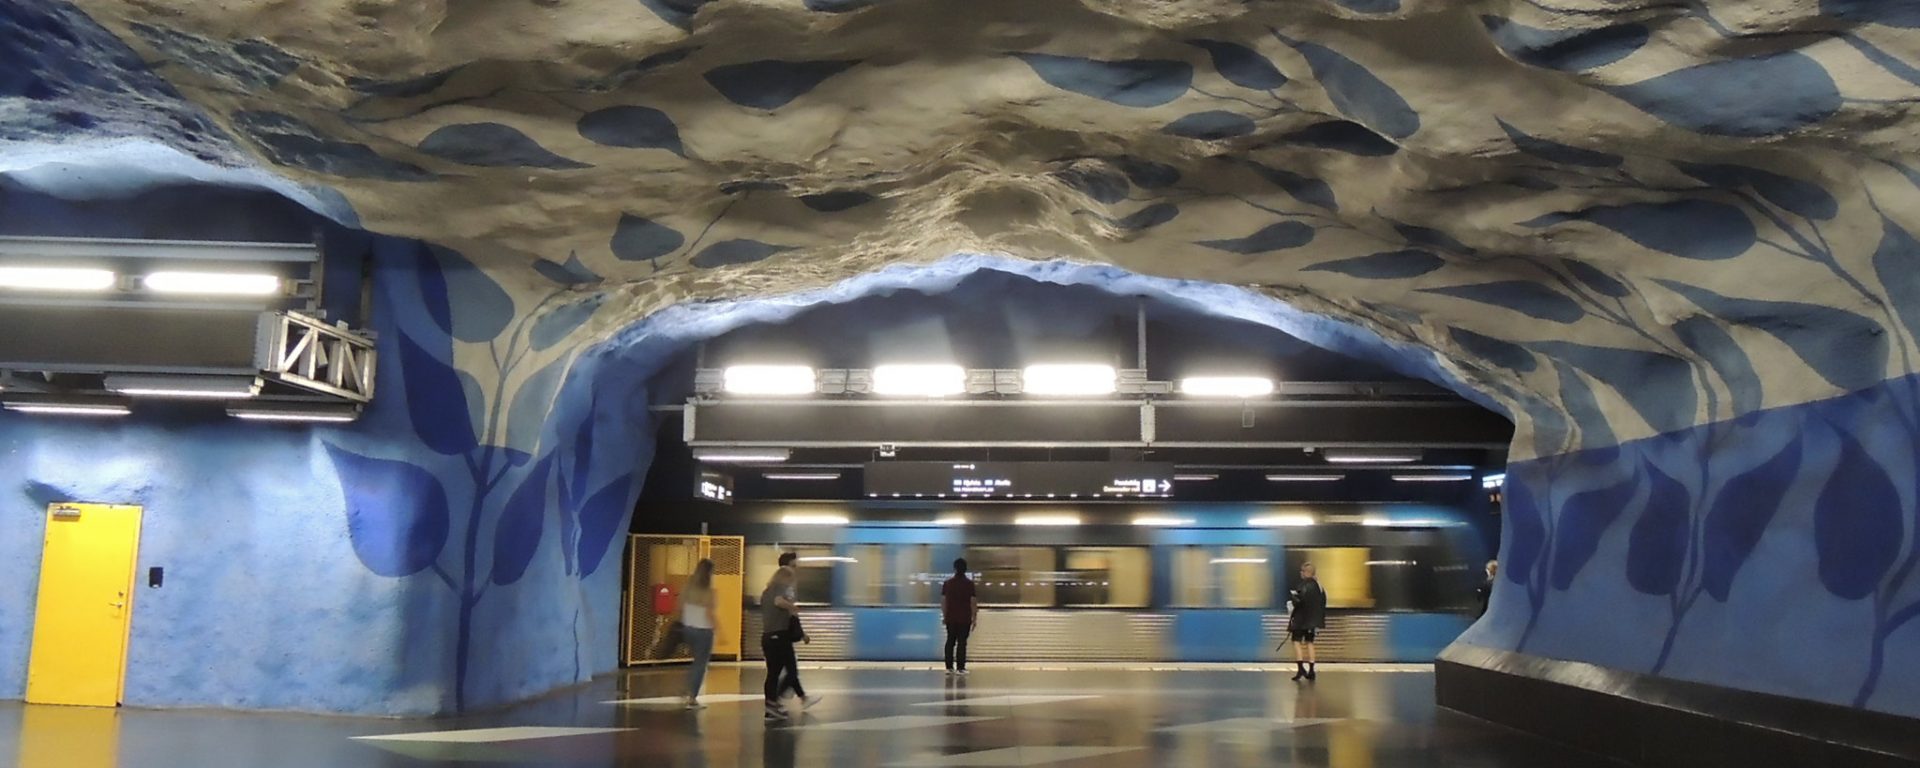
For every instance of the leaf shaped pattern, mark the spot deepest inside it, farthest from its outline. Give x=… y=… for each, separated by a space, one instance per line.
x=1659 y=387
x=633 y=127
x=728 y=253
x=1105 y=187
x=1749 y=98
x=1657 y=546
x=1526 y=538
x=1357 y=93
x=1584 y=519
x=1745 y=507
x=494 y=145
x=1570 y=50
x=1848 y=350
x=642 y=239
x=1242 y=66
x=1507 y=355
x=1711 y=342
x=553 y=327
x=436 y=401
x=397 y=515
x=1310 y=191
x=1148 y=217
x=516 y=534
x=1211 y=125
x=1555 y=152
x=1129 y=83
x=600 y=518
x=485 y=308
x=1343 y=136
x=1593 y=278
x=1270 y=238
x=1580 y=403
x=771 y=84
x=1801 y=197
x=533 y=402
x=1897 y=262
x=1856 y=523
x=1524 y=296
x=1691 y=229
x=1391 y=265
x=570 y=272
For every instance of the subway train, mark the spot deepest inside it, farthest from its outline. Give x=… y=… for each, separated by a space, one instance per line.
x=1124 y=582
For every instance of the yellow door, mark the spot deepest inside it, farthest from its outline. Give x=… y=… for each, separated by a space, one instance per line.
x=84 y=611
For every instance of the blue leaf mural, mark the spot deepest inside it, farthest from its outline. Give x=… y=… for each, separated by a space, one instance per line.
x=1370 y=6
x=1211 y=125
x=633 y=127
x=1657 y=546
x=1846 y=349
x=1584 y=519
x=1856 y=523
x=638 y=238
x=1357 y=93
x=600 y=518
x=1745 y=507
x=840 y=6
x=571 y=272
x=1343 y=136
x=405 y=88
x=1524 y=296
x=1660 y=388
x=836 y=201
x=772 y=83
x=1505 y=354
x=1526 y=538
x=733 y=252
x=532 y=402
x=1391 y=265
x=582 y=455
x=436 y=402
x=1578 y=400
x=1148 y=217
x=1306 y=190
x=397 y=515
x=1711 y=342
x=1802 y=197
x=553 y=327
x=1750 y=98
x=676 y=12
x=1146 y=174
x=1242 y=66
x=492 y=145
x=516 y=534
x=1691 y=229
x=1129 y=83
x=1891 y=13
x=1273 y=237
x=1555 y=152
x=1897 y=262
x=288 y=141
x=485 y=309
x=1105 y=187
x=1432 y=238
x=1592 y=277
x=1566 y=50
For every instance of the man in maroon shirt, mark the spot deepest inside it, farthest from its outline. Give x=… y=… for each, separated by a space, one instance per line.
x=960 y=609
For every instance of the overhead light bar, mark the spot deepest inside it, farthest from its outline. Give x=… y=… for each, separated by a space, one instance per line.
x=1047 y=520
x=1281 y=521
x=919 y=380
x=1163 y=522
x=193 y=387
x=814 y=519
x=1238 y=561
x=212 y=283
x=1305 y=478
x=802 y=475
x=834 y=559
x=767 y=380
x=1388 y=522
x=1227 y=386
x=950 y=520
x=1491 y=482
x=60 y=405
x=1068 y=379
x=321 y=413
x=1194 y=478
x=1432 y=478
x=742 y=455
x=57 y=279
x=1354 y=456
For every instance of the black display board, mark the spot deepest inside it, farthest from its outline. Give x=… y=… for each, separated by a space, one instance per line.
x=713 y=485
x=1008 y=479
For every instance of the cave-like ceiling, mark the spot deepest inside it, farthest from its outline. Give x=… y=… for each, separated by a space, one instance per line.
x=1660 y=211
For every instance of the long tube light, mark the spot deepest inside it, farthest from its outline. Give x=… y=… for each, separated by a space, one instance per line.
x=1493 y=481
x=1183 y=478
x=194 y=387
x=212 y=283
x=1349 y=456
x=767 y=380
x=1281 y=521
x=1388 y=522
x=325 y=413
x=1305 y=478
x=809 y=518
x=50 y=408
x=802 y=475
x=1069 y=379
x=1047 y=520
x=833 y=559
x=1227 y=386
x=919 y=380
x=57 y=278
x=742 y=455
x=1163 y=522
x=950 y=520
x=1432 y=478
x=1238 y=561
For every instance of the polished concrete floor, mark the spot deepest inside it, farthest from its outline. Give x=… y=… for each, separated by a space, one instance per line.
x=1009 y=715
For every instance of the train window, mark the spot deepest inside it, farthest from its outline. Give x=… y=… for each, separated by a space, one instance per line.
x=1013 y=576
x=814 y=585
x=1222 y=577
x=1104 y=576
x=892 y=574
x=1344 y=572
x=866 y=575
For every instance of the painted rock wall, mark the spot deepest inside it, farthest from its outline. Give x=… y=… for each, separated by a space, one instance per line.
x=1675 y=242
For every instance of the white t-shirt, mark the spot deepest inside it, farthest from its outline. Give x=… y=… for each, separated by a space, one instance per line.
x=693 y=608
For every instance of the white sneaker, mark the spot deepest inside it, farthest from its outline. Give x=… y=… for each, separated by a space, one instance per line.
x=960 y=672
x=776 y=712
x=808 y=702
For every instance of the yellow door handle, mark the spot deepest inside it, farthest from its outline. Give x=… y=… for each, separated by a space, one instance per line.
x=118 y=605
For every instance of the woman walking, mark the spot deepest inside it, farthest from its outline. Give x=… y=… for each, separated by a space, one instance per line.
x=697 y=617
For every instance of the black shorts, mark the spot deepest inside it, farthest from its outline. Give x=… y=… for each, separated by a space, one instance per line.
x=1302 y=635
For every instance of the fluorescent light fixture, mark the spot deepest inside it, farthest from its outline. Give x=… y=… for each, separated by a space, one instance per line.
x=212 y=283
x=835 y=559
x=1393 y=562
x=72 y=409
x=195 y=387
x=1448 y=478
x=813 y=519
x=1164 y=522
x=1281 y=521
x=1053 y=520
x=1350 y=456
x=329 y=413
x=56 y=279
x=742 y=455
x=1493 y=481
x=802 y=475
x=767 y=380
x=1238 y=561
x=1068 y=379
x=919 y=380
x=1305 y=478
x=1227 y=386
x=950 y=520
x=1388 y=522
x=1194 y=478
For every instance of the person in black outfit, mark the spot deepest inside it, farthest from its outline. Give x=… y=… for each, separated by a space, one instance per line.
x=1308 y=616
x=1485 y=592
x=960 y=611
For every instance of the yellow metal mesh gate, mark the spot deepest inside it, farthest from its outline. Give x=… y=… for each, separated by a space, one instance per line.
x=658 y=568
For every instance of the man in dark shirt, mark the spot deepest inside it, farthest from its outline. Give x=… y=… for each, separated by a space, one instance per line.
x=960 y=609
x=1308 y=616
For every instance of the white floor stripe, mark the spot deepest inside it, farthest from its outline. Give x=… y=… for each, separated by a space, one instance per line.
x=894 y=723
x=486 y=735
x=1012 y=756
x=677 y=701
x=1251 y=724
x=1003 y=701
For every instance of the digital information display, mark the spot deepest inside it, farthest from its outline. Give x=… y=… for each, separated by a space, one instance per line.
x=1022 y=480
x=713 y=486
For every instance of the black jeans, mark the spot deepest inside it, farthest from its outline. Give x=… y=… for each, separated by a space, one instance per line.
x=957 y=639
x=783 y=668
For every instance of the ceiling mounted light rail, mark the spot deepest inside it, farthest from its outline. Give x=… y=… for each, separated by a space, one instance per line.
x=1367 y=456
x=184 y=387
x=1233 y=387
x=803 y=476
x=742 y=455
x=317 y=412
x=1433 y=478
x=1069 y=379
x=768 y=380
x=62 y=279
x=67 y=405
x=213 y=283
x=1305 y=478
x=918 y=380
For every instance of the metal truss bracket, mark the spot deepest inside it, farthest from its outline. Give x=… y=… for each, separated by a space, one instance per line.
x=303 y=351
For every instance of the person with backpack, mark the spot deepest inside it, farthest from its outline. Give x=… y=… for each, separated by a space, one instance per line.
x=1307 y=617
